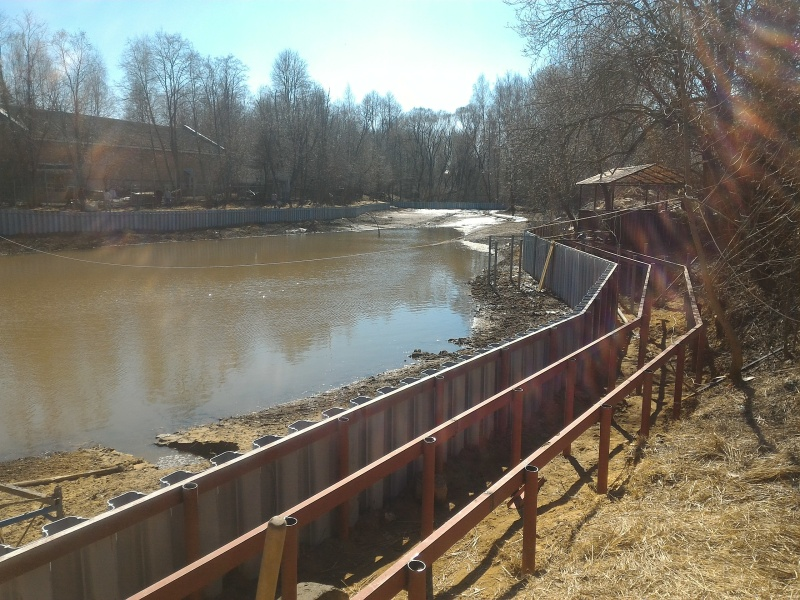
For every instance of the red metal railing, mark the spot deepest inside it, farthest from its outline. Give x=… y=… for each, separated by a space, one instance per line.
x=400 y=577
x=405 y=573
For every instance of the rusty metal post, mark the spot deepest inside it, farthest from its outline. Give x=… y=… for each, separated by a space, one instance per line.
x=191 y=518
x=519 y=269
x=439 y=401
x=291 y=546
x=632 y=290
x=569 y=397
x=529 y=510
x=611 y=365
x=680 y=362
x=700 y=355
x=516 y=425
x=647 y=393
x=428 y=486
x=344 y=471
x=644 y=332
x=606 y=412
x=416 y=582
x=191 y=526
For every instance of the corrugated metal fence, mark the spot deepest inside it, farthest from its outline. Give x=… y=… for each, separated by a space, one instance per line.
x=32 y=222
x=131 y=547
x=450 y=205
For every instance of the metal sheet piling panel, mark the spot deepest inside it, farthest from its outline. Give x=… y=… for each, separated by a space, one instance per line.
x=474 y=391
x=249 y=491
x=423 y=406
x=458 y=394
x=163 y=547
x=355 y=435
x=100 y=570
x=291 y=485
x=67 y=576
x=322 y=472
x=129 y=555
x=375 y=445
x=33 y=585
x=399 y=427
x=489 y=376
x=358 y=449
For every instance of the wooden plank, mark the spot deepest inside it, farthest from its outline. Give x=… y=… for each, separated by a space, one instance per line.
x=546 y=265
x=14 y=490
x=58 y=478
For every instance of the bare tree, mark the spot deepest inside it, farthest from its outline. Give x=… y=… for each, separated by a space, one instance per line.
x=27 y=88
x=83 y=93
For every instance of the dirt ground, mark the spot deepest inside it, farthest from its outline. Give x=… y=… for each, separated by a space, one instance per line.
x=706 y=507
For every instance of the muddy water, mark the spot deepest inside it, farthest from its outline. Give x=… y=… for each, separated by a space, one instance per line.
x=115 y=345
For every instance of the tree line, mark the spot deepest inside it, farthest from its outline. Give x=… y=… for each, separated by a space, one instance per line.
x=708 y=87
x=290 y=133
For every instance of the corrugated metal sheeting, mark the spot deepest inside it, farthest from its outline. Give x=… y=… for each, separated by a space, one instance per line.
x=450 y=205
x=32 y=222
x=133 y=546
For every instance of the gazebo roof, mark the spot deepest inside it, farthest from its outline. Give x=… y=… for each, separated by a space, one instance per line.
x=652 y=174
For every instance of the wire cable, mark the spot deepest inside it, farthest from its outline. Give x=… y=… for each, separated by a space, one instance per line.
x=238 y=266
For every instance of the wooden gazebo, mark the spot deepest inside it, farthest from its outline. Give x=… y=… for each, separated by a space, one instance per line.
x=643 y=176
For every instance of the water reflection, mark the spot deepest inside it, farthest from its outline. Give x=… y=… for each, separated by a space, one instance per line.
x=115 y=345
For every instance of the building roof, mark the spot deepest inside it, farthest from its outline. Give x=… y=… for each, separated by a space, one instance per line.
x=651 y=174
x=120 y=133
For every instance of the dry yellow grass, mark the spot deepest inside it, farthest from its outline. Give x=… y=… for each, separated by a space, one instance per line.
x=707 y=507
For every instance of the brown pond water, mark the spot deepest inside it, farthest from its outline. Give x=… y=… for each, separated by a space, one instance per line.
x=115 y=345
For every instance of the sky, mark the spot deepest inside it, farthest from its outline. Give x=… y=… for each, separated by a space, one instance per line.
x=428 y=53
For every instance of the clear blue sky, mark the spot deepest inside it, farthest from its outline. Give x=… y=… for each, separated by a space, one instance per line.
x=426 y=52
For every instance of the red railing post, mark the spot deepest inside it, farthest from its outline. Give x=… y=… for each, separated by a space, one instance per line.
x=569 y=397
x=191 y=524
x=516 y=425
x=344 y=471
x=529 y=511
x=644 y=331
x=606 y=412
x=700 y=356
x=611 y=357
x=416 y=582
x=647 y=396
x=680 y=361
x=428 y=486
x=291 y=546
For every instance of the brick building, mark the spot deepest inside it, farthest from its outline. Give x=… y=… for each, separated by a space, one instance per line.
x=48 y=156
